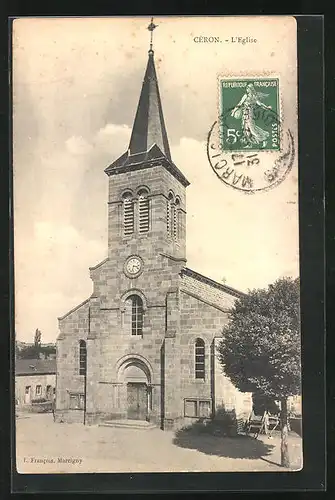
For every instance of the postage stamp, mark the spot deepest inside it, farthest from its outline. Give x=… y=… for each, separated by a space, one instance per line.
x=245 y=105
x=248 y=147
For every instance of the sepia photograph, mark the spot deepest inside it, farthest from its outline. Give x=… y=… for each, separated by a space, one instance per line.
x=156 y=245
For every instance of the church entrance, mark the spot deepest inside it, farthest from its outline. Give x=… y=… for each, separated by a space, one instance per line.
x=136 y=392
x=137 y=401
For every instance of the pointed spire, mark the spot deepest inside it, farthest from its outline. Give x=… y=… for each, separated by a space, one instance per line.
x=149 y=126
x=149 y=145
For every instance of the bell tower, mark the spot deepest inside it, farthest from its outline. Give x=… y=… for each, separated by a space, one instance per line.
x=146 y=204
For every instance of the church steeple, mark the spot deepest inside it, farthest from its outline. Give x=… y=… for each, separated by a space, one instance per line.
x=149 y=126
x=149 y=145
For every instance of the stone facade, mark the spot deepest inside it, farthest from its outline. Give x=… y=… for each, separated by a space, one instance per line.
x=179 y=306
x=140 y=358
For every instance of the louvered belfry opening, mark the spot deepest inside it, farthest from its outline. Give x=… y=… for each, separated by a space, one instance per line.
x=169 y=215
x=128 y=214
x=175 y=219
x=143 y=212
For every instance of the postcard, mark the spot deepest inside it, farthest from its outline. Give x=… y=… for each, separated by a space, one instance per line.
x=156 y=232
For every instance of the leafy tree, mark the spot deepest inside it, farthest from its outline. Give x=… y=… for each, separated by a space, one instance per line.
x=34 y=351
x=37 y=338
x=29 y=352
x=260 y=350
x=261 y=403
x=48 y=350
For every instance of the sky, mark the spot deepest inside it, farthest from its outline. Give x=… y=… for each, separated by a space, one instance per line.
x=76 y=84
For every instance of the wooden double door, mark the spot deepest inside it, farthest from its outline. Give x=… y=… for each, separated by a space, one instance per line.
x=137 y=401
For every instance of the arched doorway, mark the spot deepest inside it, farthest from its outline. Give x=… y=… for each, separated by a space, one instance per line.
x=137 y=393
x=136 y=381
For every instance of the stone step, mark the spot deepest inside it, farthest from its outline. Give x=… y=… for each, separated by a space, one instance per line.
x=128 y=424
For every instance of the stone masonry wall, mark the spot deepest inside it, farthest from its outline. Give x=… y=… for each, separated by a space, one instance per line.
x=159 y=182
x=73 y=328
x=202 y=320
x=108 y=342
x=160 y=276
x=199 y=319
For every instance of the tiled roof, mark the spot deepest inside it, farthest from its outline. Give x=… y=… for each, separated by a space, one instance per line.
x=208 y=290
x=35 y=366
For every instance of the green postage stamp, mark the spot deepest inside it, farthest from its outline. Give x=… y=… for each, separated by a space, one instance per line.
x=249 y=147
x=249 y=114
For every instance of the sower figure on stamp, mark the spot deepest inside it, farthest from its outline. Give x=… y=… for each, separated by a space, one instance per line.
x=252 y=133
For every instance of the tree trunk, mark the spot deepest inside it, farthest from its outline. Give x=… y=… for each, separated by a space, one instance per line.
x=285 y=459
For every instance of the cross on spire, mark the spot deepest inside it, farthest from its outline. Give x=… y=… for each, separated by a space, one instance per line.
x=151 y=28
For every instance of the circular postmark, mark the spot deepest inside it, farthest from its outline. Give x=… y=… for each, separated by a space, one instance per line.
x=241 y=159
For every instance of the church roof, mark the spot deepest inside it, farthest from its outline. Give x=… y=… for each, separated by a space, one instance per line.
x=208 y=290
x=149 y=145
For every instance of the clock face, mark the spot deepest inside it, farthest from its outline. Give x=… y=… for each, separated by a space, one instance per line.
x=133 y=265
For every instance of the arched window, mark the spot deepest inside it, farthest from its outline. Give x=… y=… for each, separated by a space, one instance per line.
x=143 y=211
x=134 y=314
x=200 y=359
x=170 y=215
x=128 y=214
x=82 y=357
x=176 y=219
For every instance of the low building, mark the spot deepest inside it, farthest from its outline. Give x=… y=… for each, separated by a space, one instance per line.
x=35 y=379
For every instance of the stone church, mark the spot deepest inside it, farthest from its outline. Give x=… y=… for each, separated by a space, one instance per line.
x=143 y=345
